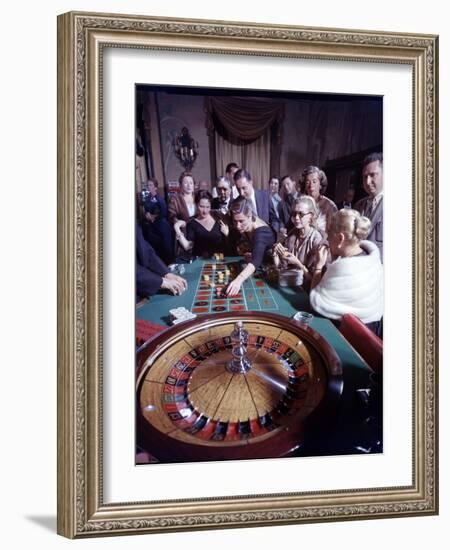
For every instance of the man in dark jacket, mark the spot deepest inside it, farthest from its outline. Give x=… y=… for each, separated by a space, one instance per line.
x=156 y=228
x=152 y=273
x=261 y=200
x=288 y=195
x=221 y=203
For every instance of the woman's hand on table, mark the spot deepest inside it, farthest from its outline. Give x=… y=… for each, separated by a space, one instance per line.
x=234 y=287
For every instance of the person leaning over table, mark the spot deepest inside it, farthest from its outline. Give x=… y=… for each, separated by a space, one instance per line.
x=259 y=199
x=152 y=273
x=300 y=247
x=205 y=233
x=353 y=282
x=255 y=239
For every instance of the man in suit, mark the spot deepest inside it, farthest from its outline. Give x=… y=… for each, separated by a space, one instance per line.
x=230 y=170
x=348 y=198
x=221 y=203
x=288 y=194
x=151 y=272
x=372 y=205
x=261 y=200
x=156 y=227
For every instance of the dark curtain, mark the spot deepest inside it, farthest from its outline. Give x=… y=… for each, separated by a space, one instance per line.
x=243 y=120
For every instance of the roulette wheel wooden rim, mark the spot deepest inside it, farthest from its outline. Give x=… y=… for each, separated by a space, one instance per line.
x=282 y=443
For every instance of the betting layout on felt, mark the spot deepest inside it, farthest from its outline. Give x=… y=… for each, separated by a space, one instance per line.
x=210 y=295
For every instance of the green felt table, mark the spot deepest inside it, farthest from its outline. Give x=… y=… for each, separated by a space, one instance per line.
x=257 y=295
x=348 y=434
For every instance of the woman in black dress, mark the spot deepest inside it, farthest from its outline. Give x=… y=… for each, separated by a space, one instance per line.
x=205 y=235
x=256 y=238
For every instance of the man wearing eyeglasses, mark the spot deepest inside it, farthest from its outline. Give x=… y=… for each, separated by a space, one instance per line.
x=221 y=203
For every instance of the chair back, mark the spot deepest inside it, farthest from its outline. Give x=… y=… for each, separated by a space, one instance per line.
x=365 y=342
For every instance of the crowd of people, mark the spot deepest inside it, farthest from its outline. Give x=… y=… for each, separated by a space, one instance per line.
x=293 y=226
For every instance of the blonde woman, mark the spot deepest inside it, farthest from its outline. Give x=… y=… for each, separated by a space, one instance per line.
x=314 y=182
x=182 y=205
x=353 y=282
x=301 y=245
x=255 y=239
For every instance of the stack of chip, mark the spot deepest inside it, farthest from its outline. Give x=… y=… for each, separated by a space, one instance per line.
x=180 y=314
x=290 y=277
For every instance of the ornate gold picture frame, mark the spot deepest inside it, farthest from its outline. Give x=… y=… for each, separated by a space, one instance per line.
x=82 y=508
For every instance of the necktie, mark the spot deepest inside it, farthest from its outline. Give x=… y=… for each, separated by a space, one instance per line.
x=370 y=207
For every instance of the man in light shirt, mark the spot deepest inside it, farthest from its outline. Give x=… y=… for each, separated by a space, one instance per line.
x=230 y=170
x=372 y=205
x=221 y=203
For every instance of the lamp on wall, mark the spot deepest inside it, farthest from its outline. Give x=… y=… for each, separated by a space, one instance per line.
x=186 y=149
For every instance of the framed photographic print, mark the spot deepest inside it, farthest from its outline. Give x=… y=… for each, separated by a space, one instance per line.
x=206 y=378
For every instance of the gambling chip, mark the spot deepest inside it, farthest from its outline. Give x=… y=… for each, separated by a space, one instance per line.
x=181 y=314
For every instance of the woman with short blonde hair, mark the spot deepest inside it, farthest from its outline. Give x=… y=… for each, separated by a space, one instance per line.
x=313 y=182
x=353 y=282
x=181 y=209
x=298 y=252
x=352 y=224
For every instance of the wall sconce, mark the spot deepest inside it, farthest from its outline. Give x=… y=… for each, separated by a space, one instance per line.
x=186 y=149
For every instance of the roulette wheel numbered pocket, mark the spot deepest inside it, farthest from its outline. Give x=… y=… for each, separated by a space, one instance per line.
x=192 y=406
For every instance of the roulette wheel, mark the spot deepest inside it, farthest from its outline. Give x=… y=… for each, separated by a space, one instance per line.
x=234 y=386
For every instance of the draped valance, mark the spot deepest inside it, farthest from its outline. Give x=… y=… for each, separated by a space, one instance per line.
x=244 y=118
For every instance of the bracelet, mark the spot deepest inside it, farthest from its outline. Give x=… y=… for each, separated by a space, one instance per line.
x=318 y=270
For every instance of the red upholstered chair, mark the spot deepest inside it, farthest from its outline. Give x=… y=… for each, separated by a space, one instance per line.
x=365 y=342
